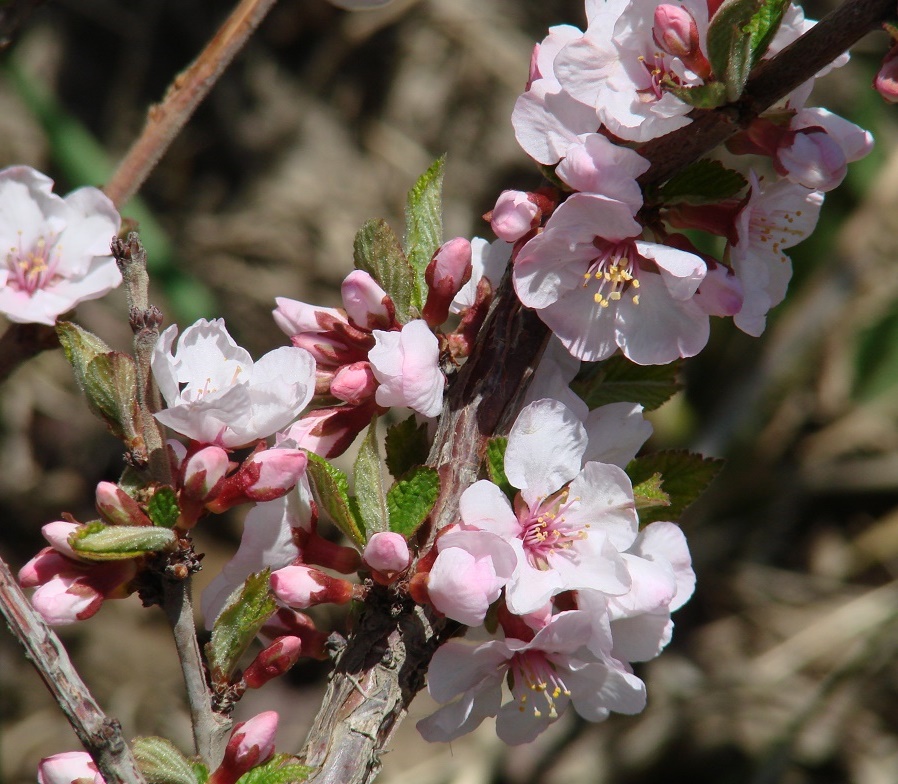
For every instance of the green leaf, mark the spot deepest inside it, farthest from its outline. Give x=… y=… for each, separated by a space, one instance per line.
x=684 y=477
x=764 y=25
x=650 y=496
x=161 y=762
x=407 y=446
x=495 y=465
x=163 y=507
x=617 y=380
x=110 y=383
x=331 y=489
x=729 y=44
x=424 y=224
x=377 y=251
x=369 y=484
x=703 y=182
x=200 y=771
x=237 y=625
x=108 y=379
x=98 y=542
x=703 y=96
x=280 y=769
x=411 y=499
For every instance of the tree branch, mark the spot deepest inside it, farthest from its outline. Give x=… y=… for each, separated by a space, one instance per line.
x=382 y=665
x=100 y=735
x=166 y=119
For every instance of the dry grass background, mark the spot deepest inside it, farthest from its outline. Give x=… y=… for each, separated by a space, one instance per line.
x=783 y=667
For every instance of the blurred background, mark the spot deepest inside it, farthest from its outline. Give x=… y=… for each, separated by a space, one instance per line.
x=783 y=666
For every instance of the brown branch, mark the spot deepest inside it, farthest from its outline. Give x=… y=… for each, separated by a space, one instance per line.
x=166 y=119
x=100 y=735
x=210 y=729
x=382 y=665
x=771 y=81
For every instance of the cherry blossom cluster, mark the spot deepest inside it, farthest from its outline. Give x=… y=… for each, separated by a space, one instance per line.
x=606 y=269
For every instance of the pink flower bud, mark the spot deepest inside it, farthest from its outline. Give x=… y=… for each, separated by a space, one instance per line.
x=327 y=351
x=204 y=473
x=315 y=549
x=287 y=622
x=811 y=157
x=118 y=507
x=329 y=431
x=44 y=567
x=68 y=768
x=720 y=293
x=66 y=599
x=273 y=661
x=514 y=215
x=265 y=475
x=251 y=745
x=449 y=270
x=58 y=533
x=302 y=586
x=366 y=303
x=294 y=317
x=886 y=81
x=388 y=553
x=676 y=32
x=354 y=383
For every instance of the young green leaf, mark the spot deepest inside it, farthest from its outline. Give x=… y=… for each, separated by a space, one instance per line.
x=99 y=542
x=369 y=484
x=280 y=769
x=764 y=25
x=161 y=763
x=684 y=477
x=617 y=380
x=407 y=445
x=331 y=489
x=411 y=498
x=703 y=182
x=163 y=507
x=376 y=250
x=495 y=465
x=237 y=626
x=424 y=224
x=108 y=379
x=729 y=44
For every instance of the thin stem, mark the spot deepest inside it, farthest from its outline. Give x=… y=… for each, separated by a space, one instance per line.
x=166 y=119
x=101 y=736
x=210 y=729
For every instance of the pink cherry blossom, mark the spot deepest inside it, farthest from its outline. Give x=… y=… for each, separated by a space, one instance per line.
x=468 y=575
x=617 y=68
x=599 y=287
x=366 y=303
x=776 y=217
x=546 y=118
x=67 y=768
x=593 y=164
x=217 y=395
x=299 y=586
x=407 y=365
x=57 y=249
x=545 y=675
x=571 y=520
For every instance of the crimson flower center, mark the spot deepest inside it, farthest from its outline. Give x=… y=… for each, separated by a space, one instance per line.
x=33 y=268
x=546 y=530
